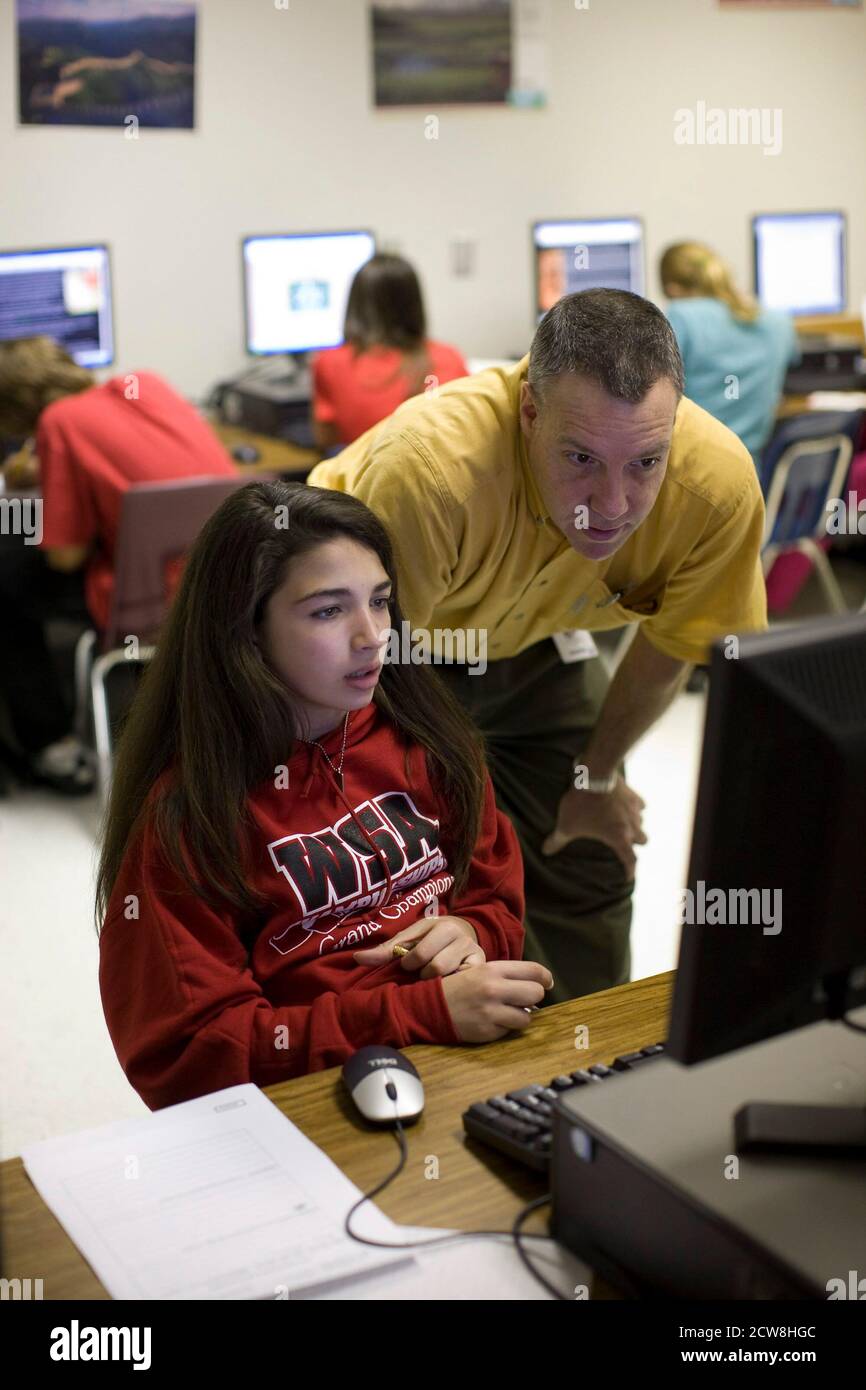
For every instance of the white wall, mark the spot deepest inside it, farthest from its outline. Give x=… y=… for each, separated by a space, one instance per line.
x=287 y=139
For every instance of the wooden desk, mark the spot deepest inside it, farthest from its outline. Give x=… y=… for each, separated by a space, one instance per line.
x=799 y=405
x=824 y=325
x=277 y=456
x=791 y=405
x=476 y=1188
x=837 y=325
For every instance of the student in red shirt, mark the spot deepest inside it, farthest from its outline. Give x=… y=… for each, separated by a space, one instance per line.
x=91 y=444
x=386 y=357
x=278 y=823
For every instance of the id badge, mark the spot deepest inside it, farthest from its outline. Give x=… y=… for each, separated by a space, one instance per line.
x=575 y=645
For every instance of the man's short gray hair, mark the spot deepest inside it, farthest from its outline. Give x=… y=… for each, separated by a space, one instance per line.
x=619 y=339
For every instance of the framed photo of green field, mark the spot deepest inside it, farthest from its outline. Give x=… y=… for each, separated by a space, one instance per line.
x=125 y=63
x=437 y=53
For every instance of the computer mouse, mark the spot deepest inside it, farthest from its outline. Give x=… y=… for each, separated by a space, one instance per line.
x=245 y=453
x=384 y=1085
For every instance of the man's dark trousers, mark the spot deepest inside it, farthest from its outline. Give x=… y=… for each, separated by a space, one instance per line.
x=537 y=713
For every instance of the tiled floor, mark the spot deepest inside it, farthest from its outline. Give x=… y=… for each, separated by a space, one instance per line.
x=59 y=1069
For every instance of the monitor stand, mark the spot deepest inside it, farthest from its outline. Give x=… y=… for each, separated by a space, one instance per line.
x=289 y=370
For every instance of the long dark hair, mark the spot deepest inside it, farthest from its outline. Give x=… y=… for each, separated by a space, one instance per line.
x=386 y=309
x=213 y=710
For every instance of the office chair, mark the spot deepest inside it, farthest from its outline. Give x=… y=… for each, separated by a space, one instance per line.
x=158 y=524
x=803 y=467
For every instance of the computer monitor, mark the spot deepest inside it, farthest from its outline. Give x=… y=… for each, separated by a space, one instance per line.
x=296 y=288
x=774 y=913
x=63 y=293
x=799 y=261
x=600 y=253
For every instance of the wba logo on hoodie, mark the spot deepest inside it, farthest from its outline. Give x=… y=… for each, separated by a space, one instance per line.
x=337 y=872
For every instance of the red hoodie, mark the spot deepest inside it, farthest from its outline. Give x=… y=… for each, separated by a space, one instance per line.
x=191 y=1009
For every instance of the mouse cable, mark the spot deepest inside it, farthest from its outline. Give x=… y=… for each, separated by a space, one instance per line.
x=516 y=1234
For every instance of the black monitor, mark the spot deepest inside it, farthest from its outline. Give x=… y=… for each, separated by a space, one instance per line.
x=774 y=912
x=62 y=293
x=586 y=254
x=799 y=261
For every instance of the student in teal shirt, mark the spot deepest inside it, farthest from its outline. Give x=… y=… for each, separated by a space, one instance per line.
x=735 y=354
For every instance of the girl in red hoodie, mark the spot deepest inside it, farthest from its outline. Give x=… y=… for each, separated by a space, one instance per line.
x=302 y=852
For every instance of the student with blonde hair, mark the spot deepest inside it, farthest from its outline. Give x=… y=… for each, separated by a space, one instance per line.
x=734 y=353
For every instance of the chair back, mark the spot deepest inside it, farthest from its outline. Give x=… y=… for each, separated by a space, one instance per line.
x=804 y=465
x=158 y=524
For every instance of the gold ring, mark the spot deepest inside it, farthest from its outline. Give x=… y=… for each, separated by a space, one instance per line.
x=397 y=950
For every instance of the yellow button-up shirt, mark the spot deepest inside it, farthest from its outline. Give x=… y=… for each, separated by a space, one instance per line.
x=449 y=476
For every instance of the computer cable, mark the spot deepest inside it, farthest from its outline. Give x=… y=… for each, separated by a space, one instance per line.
x=516 y=1234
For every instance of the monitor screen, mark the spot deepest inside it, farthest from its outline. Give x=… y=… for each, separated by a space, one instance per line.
x=63 y=294
x=773 y=912
x=800 y=261
x=598 y=254
x=297 y=286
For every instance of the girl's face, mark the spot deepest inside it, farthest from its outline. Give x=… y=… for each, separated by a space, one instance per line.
x=326 y=623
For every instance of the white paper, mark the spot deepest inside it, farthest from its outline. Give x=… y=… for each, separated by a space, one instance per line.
x=224 y=1198
x=487 y=1269
x=220 y=1197
x=836 y=400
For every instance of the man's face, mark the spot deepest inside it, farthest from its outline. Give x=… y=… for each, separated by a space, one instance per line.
x=598 y=462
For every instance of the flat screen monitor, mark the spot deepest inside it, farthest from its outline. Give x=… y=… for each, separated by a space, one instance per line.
x=296 y=288
x=602 y=253
x=773 y=916
x=799 y=261
x=62 y=293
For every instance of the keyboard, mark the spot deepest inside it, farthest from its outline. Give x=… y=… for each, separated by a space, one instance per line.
x=520 y=1123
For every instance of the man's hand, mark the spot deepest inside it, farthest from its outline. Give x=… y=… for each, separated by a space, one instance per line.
x=613 y=817
x=444 y=945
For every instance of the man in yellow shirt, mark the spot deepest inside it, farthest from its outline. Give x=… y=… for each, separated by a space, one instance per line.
x=578 y=489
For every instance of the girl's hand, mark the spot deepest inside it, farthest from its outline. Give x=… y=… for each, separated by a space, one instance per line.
x=496 y=999
x=443 y=945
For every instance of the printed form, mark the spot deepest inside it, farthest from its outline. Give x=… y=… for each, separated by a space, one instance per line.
x=224 y=1198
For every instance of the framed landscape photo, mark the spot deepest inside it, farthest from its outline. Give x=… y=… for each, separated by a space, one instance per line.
x=106 y=62
x=458 y=53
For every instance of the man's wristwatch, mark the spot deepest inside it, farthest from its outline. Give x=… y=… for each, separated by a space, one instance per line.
x=596 y=784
